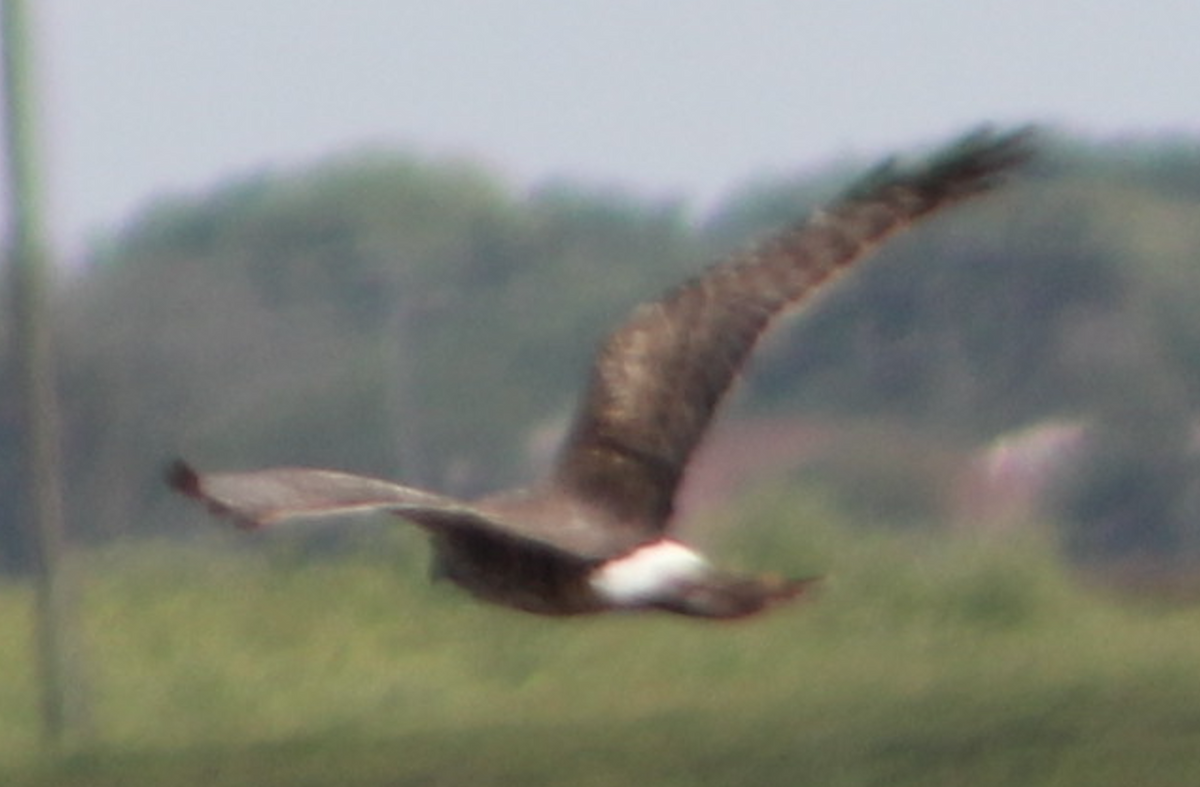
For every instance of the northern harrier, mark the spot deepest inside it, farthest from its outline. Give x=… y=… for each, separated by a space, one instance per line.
x=595 y=535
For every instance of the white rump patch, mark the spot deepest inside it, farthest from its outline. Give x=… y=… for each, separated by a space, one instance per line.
x=648 y=573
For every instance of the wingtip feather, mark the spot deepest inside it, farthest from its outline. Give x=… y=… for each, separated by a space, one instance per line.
x=185 y=480
x=181 y=477
x=976 y=161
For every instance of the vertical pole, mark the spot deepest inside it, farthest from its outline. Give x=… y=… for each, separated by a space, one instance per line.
x=63 y=708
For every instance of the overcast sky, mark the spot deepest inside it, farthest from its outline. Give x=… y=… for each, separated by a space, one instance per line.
x=670 y=97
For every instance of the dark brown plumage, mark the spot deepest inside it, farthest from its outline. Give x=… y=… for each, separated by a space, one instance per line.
x=593 y=536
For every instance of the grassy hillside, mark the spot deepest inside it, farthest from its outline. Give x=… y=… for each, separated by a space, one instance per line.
x=927 y=661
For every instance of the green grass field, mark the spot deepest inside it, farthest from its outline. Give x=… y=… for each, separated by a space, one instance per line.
x=926 y=661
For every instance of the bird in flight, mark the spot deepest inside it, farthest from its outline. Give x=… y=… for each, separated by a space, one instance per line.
x=596 y=534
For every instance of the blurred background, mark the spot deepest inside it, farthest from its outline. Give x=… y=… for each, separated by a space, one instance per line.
x=385 y=237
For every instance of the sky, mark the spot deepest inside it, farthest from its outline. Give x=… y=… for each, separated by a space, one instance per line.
x=682 y=99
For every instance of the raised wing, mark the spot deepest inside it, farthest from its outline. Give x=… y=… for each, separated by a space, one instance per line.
x=261 y=498
x=658 y=378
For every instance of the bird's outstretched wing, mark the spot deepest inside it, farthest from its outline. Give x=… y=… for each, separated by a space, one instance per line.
x=658 y=378
x=261 y=498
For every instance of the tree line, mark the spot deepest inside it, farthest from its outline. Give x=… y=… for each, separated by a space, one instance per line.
x=423 y=319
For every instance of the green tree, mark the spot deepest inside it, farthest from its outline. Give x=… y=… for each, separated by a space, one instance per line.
x=421 y=319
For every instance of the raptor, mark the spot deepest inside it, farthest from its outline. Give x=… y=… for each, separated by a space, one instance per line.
x=598 y=533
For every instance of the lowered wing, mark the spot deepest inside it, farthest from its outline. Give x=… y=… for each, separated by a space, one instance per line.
x=261 y=498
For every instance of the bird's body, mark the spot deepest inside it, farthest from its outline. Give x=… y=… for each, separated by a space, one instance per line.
x=595 y=535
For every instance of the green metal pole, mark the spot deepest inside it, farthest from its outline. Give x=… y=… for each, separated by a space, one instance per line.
x=64 y=710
